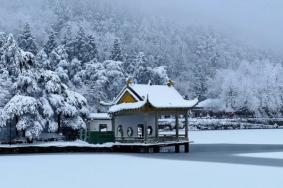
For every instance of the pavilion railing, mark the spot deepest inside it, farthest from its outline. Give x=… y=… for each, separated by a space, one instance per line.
x=161 y=138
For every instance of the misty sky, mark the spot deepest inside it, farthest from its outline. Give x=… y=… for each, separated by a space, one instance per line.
x=258 y=22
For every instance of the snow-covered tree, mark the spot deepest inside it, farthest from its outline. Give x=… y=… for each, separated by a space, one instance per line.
x=13 y=59
x=25 y=110
x=11 y=56
x=68 y=106
x=81 y=47
x=142 y=73
x=80 y=44
x=26 y=83
x=41 y=100
x=74 y=66
x=69 y=43
x=62 y=15
x=159 y=75
x=5 y=87
x=139 y=61
x=254 y=87
x=23 y=107
x=51 y=43
x=26 y=40
x=13 y=63
x=42 y=60
x=91 y=48
x=100 y=81
x=59 y=62
x=2 y=40
x=198 y=80
x=116 y=53
x=68 y=36
x=58 y=57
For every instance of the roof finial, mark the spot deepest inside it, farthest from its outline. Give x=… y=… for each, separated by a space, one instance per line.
x=170 y=83
x=129 y=81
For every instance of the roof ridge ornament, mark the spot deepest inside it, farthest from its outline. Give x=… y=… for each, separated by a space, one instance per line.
x=170 y=83
x=129 y=81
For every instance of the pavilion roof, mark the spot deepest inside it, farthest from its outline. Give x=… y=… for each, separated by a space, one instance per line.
x=158 y=96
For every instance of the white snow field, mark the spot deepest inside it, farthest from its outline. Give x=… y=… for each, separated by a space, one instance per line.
x=218 y=159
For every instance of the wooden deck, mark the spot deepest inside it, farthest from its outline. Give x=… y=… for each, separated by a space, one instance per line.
x=151 y=140
x=116 y=148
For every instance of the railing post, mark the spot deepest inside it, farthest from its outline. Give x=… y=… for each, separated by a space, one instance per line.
x=145 y=127
x=177 y=125
x=186 y=125
x=113 y=125
x=156 y=127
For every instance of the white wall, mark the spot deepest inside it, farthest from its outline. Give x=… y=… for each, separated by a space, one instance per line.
x=94 y=124
x=132 y=120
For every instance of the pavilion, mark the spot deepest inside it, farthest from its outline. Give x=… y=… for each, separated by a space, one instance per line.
x=136 y=112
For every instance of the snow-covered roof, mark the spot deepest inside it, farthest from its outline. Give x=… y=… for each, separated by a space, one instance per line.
x=127 y=89
x=162 y=96
x=99 y=116
x=126 y=106
x=159 y=96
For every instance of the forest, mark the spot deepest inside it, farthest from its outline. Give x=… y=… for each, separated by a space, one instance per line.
x=60 y=59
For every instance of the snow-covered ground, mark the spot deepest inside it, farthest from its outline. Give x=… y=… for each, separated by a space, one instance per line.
x=234 y=159
x=76 y=143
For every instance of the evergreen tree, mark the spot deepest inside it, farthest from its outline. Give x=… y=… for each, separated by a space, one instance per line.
x=82 y=47
x=26 y=41
x=23 y=107
x=13 y=62
x=80 y=44
x=91 y=48
x=68 y=36
x=198 y=81
x=100 y=81
x=142 y=73
x=69 y=43
x=116 y=53
x=5 y=87
x=13 y=59
x=42 y=60
x=74 y=66
x=253 y=87
x=51 y=43
x=2 y=40
x=60 y=64
x=62 y=15
x=58 y=57
x=137 y=68
x=41 y=100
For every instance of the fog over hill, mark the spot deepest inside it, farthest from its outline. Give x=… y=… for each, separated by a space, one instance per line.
x=200 y=44
x=256 y=21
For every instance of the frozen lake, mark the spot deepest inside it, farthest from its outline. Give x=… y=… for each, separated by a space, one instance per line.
x=247 y=136
x=240 y=159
